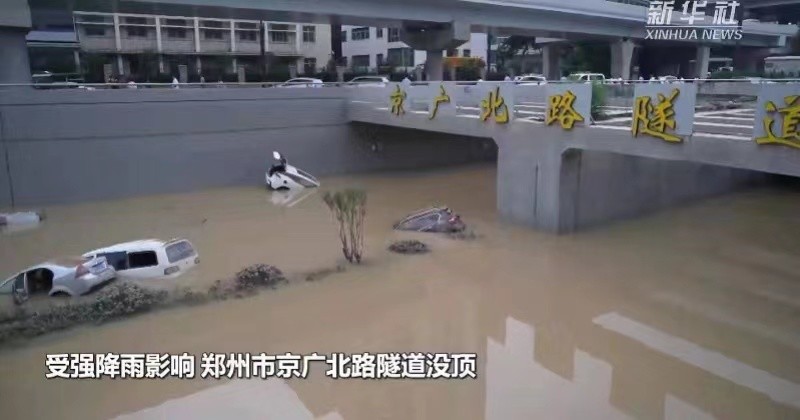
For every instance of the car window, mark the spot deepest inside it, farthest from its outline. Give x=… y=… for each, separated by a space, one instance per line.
x=19 y=282
x=7 y=287
x=179 y=251
x=118 y=260
x=142 y=259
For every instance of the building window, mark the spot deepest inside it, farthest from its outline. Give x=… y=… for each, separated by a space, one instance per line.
x=394 y=35
x=211 y=34
x=95 y=30
x=379 y=60
x=344 y=36
x=309 y=65
x=136 y=20
x=248 y=36
x=309 y=34
x=378 y=32
x=359 y=33
x=246 y=25
x=452 y=52
x=211 y=23
x=175 y=22
x=466 y=53
x=176 y=33
x=344 y=61
x=279 y=33
x=361 y=62
x=400 y=57
x=136 y=32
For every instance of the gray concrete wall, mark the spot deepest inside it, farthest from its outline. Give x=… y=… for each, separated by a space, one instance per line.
x=67 y=146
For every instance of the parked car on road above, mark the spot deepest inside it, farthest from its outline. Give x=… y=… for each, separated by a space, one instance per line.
x=301 y=82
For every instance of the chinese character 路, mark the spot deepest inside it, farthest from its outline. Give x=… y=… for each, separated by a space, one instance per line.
x=725 y=12
x=396 y=100
x=442 y=98
x=562 y=109
x=789 y=134
x=660 y=12
x=494 y=104
x=655 y=119
x=693 y=10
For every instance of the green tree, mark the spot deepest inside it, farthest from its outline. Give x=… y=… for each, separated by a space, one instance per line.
x=513 y=46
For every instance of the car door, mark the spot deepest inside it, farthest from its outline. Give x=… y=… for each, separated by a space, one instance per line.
x=143 y=264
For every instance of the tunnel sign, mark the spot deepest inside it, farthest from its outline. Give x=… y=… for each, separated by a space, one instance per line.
x=663 y=111
x=568 y=104
x=778 y=116
x=442 y=98
x=493 y=105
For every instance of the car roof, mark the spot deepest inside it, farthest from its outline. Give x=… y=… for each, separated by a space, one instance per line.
x=139 y=245
x=370 y=77
x=305 y=78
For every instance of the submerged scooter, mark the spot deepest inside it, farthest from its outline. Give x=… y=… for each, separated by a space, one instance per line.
x=282 y=176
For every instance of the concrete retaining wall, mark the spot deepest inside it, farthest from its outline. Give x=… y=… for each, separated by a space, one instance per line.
x=68 y=146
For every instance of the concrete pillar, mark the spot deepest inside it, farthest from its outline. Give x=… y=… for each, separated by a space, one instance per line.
x=621 y=58
x=117 y=38
x=298 y=38
x=198 y=64
x=196 y=35
x=235 y=65
x=233 y=36
x=15 y=67
x=120 y=65
x=158 y=35
x=551 y=62
x=76 y=55
x=161 y=64
x=701 y=61
x=434 y=65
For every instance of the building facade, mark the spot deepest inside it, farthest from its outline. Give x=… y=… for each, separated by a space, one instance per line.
x=137 y=46
x=368 y=49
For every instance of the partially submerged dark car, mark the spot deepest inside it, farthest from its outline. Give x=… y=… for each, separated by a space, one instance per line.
x=433 y=219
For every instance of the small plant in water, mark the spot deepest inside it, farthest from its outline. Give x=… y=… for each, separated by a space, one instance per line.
x=349 y=208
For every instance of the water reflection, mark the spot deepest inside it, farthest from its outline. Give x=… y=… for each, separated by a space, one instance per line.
x=519 y=387
x=290 y=197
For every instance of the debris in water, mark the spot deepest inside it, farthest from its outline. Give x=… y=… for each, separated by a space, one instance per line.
x=411 y=246
x=432 y=219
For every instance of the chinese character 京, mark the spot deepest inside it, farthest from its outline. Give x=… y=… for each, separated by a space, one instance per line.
x=789 y=134
x=442 y=98
x=396 y=100
x=494 y=104
x=562 y=109
x=654 y=120
x=696 y=13
x=725 y=12
x=660 y=12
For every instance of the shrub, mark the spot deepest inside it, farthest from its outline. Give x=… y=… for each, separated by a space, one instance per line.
x=349 y=209
x=259 y=275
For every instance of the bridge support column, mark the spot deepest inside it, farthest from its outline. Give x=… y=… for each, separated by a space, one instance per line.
x=434 y=38
x=701 y=61
x=621 y=57
x=434 y=65
x=15 y=22
x=551 y=62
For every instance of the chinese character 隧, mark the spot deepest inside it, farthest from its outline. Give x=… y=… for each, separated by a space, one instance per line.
x=693 y=10
x=442 y=98
x=789 y=135
x=654 y=120
x=57 y=366
x=389 y=365
x=494 y=104
x=561 y=109
x=396 y=100
x=725 y=12
x=660 y=12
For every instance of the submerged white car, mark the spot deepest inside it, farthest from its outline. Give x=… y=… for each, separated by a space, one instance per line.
x=149 y=258
x=73 y=276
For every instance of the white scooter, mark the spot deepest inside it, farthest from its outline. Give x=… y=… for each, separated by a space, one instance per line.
x=282 y=176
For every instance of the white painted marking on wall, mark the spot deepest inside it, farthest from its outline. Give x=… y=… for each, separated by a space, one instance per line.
x=778 y=389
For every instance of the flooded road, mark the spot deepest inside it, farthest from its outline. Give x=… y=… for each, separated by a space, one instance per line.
x=691 y=313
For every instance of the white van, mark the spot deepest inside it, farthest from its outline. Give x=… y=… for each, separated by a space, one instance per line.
x=149 y=258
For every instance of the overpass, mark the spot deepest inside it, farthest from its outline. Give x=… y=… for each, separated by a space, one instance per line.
x=430 y=25
x=559 y=177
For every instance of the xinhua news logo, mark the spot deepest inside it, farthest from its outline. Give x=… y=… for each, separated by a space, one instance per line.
x=692 y=21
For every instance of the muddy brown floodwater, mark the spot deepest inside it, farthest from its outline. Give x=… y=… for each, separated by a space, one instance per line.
x=690 y=313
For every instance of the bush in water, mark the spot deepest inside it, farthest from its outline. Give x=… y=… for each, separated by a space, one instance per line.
x=124 y=299
x=349 y=208
x=411 y=246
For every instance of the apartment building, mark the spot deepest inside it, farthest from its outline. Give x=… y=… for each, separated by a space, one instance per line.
x=134 y=43
x=365 y=48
